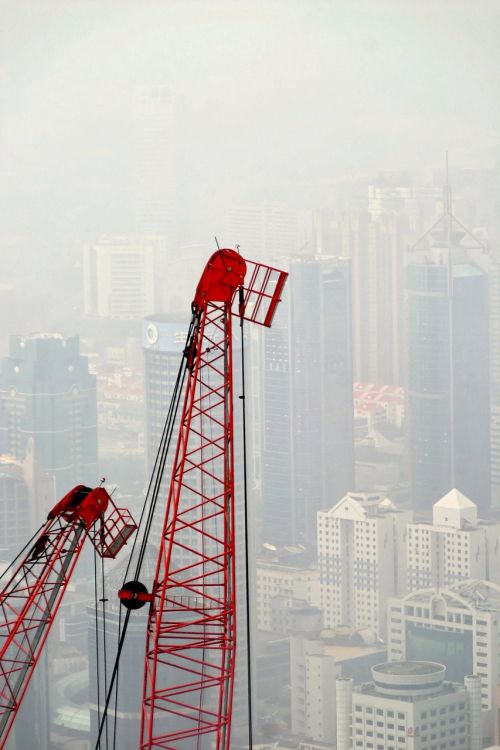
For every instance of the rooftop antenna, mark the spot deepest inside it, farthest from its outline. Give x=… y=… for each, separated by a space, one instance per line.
x=447 y=188
x=449 y=223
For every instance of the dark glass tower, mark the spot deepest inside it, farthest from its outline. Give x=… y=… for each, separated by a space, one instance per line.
x=163 y=341
x=49 y=398
x=308 y=448
x=448 y=376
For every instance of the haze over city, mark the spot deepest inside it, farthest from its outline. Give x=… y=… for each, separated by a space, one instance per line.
x=353 y=146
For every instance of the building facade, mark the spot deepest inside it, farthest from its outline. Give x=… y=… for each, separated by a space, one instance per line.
x=362 y=561
x=448 y=374
x=312 y=673
x=49 y=403
x=307 y=415
x=458 y=626
x=456 y=546
x=155 y=183
x=119 y=277
x=285 y=583
x=409 y=704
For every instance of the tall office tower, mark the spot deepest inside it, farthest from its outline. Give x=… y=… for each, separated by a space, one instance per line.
x=393 y=195
x=273 y=413
x=128 y=714
x=459 y=627
x=494 y=275
x=163 y=341
x=456 y=546
x=377 y=246
x=155 y=178
x=15 y=521
x=267 y=230
x=361 y=555
x=120 y=277
x=50 y=399
x=306 y=418
x=412 y=705
x=322 y=438
x=448 y=367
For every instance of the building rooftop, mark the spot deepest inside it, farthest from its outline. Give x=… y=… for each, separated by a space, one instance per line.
x=455 y=500
x=410 y=668
x=468 y=595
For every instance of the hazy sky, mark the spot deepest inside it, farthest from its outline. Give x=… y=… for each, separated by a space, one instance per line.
x=271 y=97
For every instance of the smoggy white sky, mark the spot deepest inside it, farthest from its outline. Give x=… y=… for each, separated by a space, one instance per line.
x=269 y=94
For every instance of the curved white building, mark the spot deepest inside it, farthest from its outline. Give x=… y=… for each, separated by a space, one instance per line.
x=411 y=705
x=458 y=626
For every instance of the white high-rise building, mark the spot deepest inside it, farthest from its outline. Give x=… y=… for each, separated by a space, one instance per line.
x=459 y=627
x=361 y=555
x=119 y=277
x=312 y=674
x=285 y=583
x=455 y=547
x=409 y=705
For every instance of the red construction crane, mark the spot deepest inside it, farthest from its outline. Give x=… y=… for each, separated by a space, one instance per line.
x=191 y=637
x=34 y=587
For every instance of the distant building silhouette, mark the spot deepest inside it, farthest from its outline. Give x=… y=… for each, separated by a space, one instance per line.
x=307 y=412
x=155 y=170
x=120 y=277
x=448 y=367
x=49 y=398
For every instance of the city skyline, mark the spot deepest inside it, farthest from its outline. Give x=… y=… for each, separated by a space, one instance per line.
x=354 y=145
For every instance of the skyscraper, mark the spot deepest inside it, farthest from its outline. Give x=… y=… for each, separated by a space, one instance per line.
x=322 y=381
x=377 y=241
x=163 y=341
x=120 y=277
x=49 y=398
x=448 y=367
x=307 y=402
x=155 y=179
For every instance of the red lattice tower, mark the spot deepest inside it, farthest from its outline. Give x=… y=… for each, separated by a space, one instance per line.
x=34 y=585
x=190 y=650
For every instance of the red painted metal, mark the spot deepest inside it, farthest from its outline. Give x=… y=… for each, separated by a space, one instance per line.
x=30 y=597
x=191 y=638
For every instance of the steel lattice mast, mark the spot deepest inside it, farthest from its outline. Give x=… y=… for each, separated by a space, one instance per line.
x=35 y=586
x=191 y=640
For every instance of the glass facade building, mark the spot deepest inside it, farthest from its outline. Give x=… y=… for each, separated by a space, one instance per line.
x=49 y=400
x=308 y=447
x=448 y=383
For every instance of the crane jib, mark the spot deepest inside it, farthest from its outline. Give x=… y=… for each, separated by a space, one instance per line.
x=33 y=590
x=191 y=633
